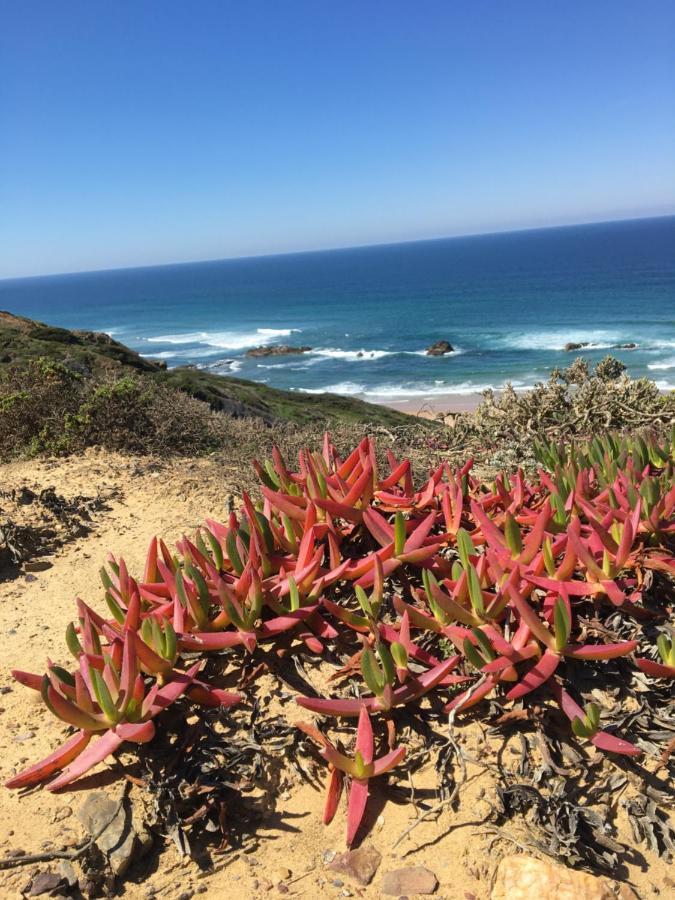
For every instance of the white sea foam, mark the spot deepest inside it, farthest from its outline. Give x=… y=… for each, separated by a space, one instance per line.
x=556 y=340
x=195 y=353
x=225 y=340
x=593 y=339
x=321 y=354
x=346 y=388
x=385 y=392
x=663 y=364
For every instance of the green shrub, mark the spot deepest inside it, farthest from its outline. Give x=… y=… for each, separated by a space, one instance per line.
x=45 y=407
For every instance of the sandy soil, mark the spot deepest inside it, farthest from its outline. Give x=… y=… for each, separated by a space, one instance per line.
x=169 y=498
x=435 y=404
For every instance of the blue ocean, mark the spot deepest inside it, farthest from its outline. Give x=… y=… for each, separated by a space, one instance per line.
x=508 y=303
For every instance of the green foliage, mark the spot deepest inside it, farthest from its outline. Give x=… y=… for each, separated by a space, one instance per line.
x=46 y=407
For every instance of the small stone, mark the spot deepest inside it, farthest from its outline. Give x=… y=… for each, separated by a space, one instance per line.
x=328 y=856
x=67 y=872
x=282 y=888
x=336 y=882
x=123 y=837
x=282 y=874
x=186 y=895
x=61 y=814
x=360 y=864
x=523 y=877
x=411 y=880
x=45 y=883
x=37 y=566
x=26 y=736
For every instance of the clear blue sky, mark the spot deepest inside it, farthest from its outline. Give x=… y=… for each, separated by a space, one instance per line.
x=137 y=132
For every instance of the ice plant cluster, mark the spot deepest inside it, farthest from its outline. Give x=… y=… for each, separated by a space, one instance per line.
x=347 y=551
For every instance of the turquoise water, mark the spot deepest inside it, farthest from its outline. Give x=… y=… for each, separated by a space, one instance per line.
x=507 y=302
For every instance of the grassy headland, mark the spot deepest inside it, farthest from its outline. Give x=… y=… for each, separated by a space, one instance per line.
x=61 y=390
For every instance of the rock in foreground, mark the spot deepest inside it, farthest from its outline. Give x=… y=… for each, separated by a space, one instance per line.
x=411 y=880
x=360 y=864
x=524 y=877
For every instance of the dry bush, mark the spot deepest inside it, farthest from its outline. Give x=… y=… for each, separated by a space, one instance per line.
x=45 y=407
x=138 y=415
x=574 y=402
x=35 y=400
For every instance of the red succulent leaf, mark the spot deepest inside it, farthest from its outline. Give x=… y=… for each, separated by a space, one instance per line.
x=387 y=762
x=538 y=675
x=93 y=754
x=333 y=794
x=604 y=741
x=56 y=761
x=364 y=737
x=600 y=651
x=655 y=669
x=356 y=807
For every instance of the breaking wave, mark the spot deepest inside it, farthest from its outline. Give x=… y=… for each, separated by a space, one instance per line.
x=384 y=392
x=225 y=340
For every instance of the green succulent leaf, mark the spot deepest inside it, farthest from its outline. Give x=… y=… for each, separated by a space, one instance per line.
x=399 y=533
x=562 y=624
x=465 y=547
x=372 y=674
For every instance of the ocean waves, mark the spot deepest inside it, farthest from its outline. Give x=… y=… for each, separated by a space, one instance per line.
x=556 y=341
x=391 y=392
x=663 y=364
x=225 y=340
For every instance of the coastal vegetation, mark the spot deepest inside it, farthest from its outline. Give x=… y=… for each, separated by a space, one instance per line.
x=62 y=390
x=510 y=570
x=535 y=601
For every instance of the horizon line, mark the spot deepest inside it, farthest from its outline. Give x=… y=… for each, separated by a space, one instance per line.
x=335 y=249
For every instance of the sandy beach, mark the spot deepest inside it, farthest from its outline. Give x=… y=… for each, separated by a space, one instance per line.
x=435 y=404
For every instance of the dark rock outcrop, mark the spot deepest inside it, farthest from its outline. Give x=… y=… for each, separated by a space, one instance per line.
x=569 y=347
x=440 y=348
x=276 y=350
